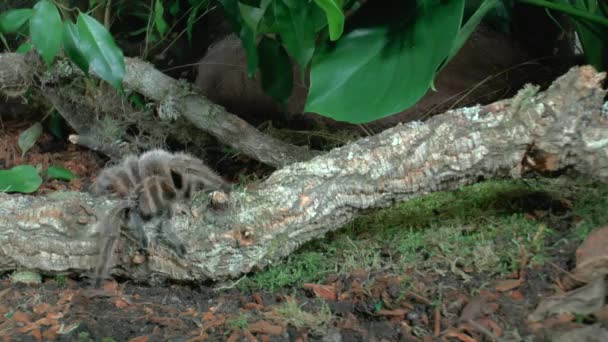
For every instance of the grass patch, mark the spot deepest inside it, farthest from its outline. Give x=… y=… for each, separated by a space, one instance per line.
x=291 y=313
x=483 y=226
x=238 y=323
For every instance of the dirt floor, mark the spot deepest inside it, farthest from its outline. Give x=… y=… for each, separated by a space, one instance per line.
x=454 y=275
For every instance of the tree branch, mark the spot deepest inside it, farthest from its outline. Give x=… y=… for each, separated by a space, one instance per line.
x=174 y=99
x=557 y=130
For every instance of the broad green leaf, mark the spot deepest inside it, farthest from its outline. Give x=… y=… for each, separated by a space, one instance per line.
x=161 y=25
x=375 y=72
x=56 y=124
x=21 y=178
x=252 y=15
x=297 y=29
x=59 y=173
x=593 y=44
x=174 y=8
x=11 y=21
x=71 y=41
x=593 y=36
x=24 y=48
x=28 y=138
x=46 y=30
x=247 y=35
x=335 y=17
x=97 y=46
x=470 y=26
x=275 y=68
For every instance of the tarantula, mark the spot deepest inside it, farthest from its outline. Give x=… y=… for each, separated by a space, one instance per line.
x=150 y=185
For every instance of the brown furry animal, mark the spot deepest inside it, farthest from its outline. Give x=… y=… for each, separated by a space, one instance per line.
x=150 y=185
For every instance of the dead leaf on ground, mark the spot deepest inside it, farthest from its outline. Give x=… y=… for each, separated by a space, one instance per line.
x=459 y=336
x=252 y=306
x=327 y=292
x=139 y=339
x=517 y=295
x=264 y=327
x=395 y=312
x=22 y=317
x=41 y=308
x=509 y=284
x=258 y=298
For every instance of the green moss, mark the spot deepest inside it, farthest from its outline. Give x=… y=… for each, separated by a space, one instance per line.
x=483 y=227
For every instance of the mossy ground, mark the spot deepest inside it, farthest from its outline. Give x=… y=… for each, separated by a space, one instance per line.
x=389 y=275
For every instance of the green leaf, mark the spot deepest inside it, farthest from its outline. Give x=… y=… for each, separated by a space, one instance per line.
x=335 y=17
x=174 y=8
x=21 y=178
x=24 y=48
x=161 y=25
x=71 y=41
x=137 y=101
x=13 y=20
x=56 y=124
x=378 y=71
x=275 y=68
x=97 y=46
x=192 y=18
x=470 y=26
x=295 y=23
x=59 y=173
x=28 y=138
x=247 y=35
x=252 y=15
x=46 y=30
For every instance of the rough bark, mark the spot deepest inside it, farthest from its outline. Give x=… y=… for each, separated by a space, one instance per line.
x=562 y=129
x=174 y=99
x=210 y=117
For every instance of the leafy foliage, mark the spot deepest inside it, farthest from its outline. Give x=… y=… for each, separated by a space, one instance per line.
x=12 y=21
x=22 y=178
x=56 y=172
x=28 y=138
x=45 y=29
x=87 y=43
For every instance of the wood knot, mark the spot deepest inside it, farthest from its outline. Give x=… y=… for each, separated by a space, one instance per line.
x=244 y=237
x=218 y=200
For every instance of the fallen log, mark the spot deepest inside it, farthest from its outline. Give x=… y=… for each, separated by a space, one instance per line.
x=564 y=128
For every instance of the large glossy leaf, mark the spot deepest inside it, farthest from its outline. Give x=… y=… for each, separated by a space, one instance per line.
x=296 y=26
x=22 y=178
x=46 y=30
x=28 y=138
x=71 y=41
x=335 y=17
x=275 y=68
x=11 y=21
x=97 y=46
x=253 y=14
x=376 y=71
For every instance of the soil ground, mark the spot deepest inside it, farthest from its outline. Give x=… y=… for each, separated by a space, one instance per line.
x=469 y=265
